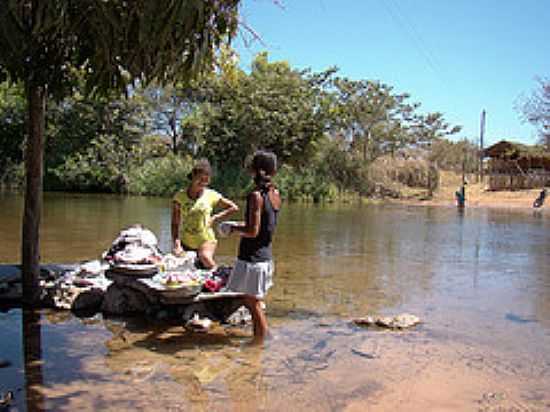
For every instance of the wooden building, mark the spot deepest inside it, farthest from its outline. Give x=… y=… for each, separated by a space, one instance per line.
x=515 y=166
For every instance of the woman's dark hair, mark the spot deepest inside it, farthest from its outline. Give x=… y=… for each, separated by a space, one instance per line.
x=264 y=165
x=201 y=167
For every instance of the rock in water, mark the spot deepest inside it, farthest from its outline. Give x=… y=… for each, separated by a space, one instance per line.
x=89 y=300
x=384 y=322
x=405 y=320
x=366 y=321
x=120 y=300
x=402 y=321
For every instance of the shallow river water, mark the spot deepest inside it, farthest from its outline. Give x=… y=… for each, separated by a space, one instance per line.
x=479 y=280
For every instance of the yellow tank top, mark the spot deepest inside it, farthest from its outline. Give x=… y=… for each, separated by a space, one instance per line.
x=195 y=216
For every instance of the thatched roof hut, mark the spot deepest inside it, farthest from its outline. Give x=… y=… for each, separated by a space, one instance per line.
x=517 y=166
x=527 y=157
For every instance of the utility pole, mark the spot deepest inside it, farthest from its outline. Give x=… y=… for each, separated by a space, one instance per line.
x=481 y=136
x=464 y=160
x=460 y=194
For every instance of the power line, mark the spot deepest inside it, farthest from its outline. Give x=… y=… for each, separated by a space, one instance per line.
x=400 y=19
x=416 y=35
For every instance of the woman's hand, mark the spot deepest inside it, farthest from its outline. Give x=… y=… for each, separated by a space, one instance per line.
x=228 y=208
x=178 y=250
x=212 y=221
x=236 y=227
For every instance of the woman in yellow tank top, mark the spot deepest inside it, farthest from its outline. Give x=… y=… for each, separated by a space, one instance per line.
x=192 y=218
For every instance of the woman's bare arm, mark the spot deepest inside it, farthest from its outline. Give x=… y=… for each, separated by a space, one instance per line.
x=228 y=206
x=251 y=227
x=275 y=198
x=175 y=225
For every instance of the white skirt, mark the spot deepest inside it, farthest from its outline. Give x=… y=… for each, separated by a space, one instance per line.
x=253 y=279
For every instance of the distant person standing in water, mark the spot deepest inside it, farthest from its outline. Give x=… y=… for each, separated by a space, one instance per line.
x=539 y=201
x=253 y=271
x=192 y=219
x=460 y=196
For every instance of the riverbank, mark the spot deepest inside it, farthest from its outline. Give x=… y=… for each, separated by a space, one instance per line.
x=477 y=195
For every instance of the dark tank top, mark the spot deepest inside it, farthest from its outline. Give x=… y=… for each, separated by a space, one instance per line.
x=258 y=249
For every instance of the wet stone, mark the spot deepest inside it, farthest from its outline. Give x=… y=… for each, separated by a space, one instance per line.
x=89 y=300
x=363 y=354
x=405 y=320
x=120 y=300
x=402 y=321
x=366 y=321
x=385 y=322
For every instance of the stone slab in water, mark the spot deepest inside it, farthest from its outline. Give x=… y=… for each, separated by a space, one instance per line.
x=402 y=321
x=125 y=295
x=12 y=273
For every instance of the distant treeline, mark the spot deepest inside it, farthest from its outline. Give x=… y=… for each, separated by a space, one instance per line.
x=333 y=135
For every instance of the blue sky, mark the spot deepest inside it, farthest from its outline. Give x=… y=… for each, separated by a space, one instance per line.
x=456 y=57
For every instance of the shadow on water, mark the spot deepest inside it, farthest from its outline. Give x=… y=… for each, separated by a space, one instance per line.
x=39 y=355
x=23 y=375
x=160 y=337
x=32 y=352
x=519 y=319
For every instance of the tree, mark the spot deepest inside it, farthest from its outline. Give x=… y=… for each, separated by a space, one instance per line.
x=273 y=107
x=115 y=43
x=455 y=156
x=426 y=128
x=169 y=104
x=378 y=121
x=78 y=119
x=372 y=116
x=535 y=109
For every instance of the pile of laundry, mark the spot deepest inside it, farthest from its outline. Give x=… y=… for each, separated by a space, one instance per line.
x=132 y=276
x=134 y=251
x=81 y=287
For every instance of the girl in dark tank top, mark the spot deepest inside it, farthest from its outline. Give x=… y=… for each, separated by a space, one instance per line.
x=253 y=270
x=258 y=249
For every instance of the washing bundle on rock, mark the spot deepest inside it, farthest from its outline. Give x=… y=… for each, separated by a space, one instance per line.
x=134 y=252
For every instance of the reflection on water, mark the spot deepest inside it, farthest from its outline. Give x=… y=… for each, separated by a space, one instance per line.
x=32 y=355
x=479 y=279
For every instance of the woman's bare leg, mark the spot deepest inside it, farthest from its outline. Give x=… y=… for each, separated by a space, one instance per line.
x=259 y=321
x=206 y=254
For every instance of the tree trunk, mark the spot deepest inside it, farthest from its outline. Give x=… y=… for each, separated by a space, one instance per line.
x=366 y=146
x=174 y=132
x=34 y=155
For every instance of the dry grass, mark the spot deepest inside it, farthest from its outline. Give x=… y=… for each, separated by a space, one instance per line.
x=403 y=178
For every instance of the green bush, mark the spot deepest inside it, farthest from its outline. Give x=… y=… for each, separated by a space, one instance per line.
x=305 y=184
x=12 y=176
x=161 y=176
x=233 y=181
x=102 y=167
